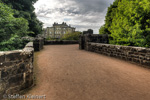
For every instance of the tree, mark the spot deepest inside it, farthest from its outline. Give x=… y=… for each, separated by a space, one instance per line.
x=109 y=16
x=103 y=30
x=25 y=9
x=129 y=22
x=11 y=29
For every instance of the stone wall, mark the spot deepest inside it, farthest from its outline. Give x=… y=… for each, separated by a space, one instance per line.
x=38 y=44
x=16 y=70
x=100 y=44
x=138 y=55
x=61 y=42
x=97 y=38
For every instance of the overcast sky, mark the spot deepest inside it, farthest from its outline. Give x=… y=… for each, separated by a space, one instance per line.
x=81 y=14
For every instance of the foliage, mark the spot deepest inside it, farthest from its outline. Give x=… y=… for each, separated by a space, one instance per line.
x=128 y=21
x=49 y=38
x=11 y=29
x=25 y=9
x=111 y=12
x=17 y=19
x=71 y=36
x=103 y=30
x=15 y=42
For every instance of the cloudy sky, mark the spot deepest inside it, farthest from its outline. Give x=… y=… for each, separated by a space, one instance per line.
x=82 y=14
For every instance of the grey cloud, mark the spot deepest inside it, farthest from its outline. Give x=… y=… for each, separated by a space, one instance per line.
x=84 y=11
x=65 y=10
x=94 y=6
x=68 y=10
x=94 y=18
x=88 y=26
x=86 y=6
x=76 y=7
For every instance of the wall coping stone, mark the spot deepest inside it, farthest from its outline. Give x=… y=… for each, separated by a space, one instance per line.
x=120 y=46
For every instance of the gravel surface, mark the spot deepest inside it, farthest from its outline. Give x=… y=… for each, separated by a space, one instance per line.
x=67 y=73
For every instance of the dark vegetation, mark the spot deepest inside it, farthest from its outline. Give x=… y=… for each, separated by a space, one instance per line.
x=17 y=19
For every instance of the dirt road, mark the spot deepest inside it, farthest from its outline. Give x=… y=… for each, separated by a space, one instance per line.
x=67 y=73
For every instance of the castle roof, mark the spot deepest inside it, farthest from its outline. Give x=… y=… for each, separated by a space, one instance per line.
x=62 y=25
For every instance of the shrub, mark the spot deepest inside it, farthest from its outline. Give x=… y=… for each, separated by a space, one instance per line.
x=71 y=36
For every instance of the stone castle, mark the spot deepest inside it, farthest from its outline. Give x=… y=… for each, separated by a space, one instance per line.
x=58 y=30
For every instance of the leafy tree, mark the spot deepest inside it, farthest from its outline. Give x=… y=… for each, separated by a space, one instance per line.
x=25 y=9
x=71 y=36
x=128 y=21
x=11 y=29
x=103 y=30
x=109 y=16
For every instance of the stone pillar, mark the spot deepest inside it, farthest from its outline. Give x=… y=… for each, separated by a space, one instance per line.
x=38 y=44
x=88 y=36
x=87 y=40
x=81 y=42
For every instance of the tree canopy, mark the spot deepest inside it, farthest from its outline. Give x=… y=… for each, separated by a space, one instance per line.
x=128 y=22
x=17 y=19
x=25 y=9
x=11 y=28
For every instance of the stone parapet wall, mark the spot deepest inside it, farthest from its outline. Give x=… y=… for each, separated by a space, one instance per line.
x=38 y=44
x=16 y=70
x=97 y=38
x=61 y=42
x=138 y=55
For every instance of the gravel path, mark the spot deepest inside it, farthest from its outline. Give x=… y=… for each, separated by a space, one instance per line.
x=67 y=73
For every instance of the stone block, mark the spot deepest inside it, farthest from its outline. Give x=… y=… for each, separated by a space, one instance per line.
x=15 y=80
x=28 y=81
x=7 y=64
x=13 y=56
x=147 y=63
x=13 y=90
x=136 y=60
x=2 y=88
x=5 y=73
x=129 y=58
x=2 y=58
x=21 y=68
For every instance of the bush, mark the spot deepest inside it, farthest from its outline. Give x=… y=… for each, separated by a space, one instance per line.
x=12 y=44
x=52 y=39
x=71 y=36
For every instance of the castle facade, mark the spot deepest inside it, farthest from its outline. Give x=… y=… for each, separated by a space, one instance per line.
x=58 y=30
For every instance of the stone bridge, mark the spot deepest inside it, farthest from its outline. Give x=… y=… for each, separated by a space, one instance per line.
x=71 y=72
x=66 y=73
